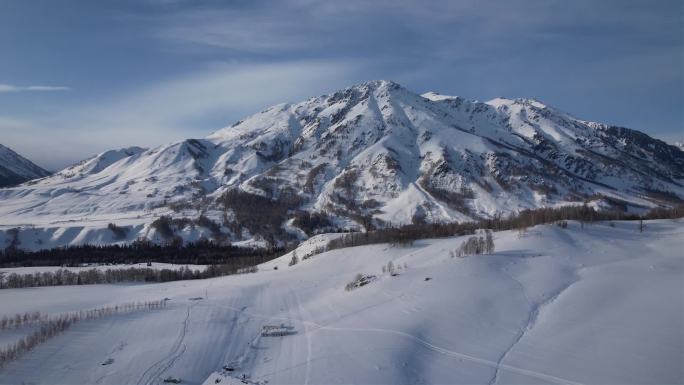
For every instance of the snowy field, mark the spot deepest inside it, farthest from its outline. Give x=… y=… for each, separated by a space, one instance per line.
x=599 y=304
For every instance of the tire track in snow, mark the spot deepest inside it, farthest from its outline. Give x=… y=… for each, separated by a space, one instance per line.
x=532 y=317
x=307 y=333
x=178 y=348
x=449 y=353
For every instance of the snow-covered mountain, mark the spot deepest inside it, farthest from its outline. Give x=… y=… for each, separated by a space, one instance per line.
x=368 y=155
x=15 y=169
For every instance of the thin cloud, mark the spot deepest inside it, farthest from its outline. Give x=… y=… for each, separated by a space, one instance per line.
x=40 y=88
x=193 y=105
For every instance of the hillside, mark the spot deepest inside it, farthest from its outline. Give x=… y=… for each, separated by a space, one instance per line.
x=597 y=303
x=15 y=169
x=366 y=156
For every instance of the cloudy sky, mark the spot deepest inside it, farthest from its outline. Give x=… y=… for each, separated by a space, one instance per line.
x=80 y=77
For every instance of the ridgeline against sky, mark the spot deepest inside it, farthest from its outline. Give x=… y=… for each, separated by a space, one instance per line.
x=81 y=77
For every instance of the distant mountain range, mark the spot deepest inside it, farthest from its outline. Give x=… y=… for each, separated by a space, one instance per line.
x=15 y=169
x=368 y=155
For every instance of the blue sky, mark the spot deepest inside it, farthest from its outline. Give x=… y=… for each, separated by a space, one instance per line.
x=81 y=77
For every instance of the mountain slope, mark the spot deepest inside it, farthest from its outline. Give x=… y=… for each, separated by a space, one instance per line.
x=365 y=156
x=15 y=169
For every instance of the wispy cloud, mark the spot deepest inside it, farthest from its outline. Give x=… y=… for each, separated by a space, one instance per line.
x=193 y=105
x=223 y=91
x=594 y=59
x=39 y=88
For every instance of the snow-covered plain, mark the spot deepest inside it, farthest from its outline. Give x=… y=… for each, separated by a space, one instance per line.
x=598 y=304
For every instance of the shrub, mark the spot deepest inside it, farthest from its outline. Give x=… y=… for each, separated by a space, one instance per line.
x=163 y=226
x=359 y=281
x=120 y=233
x=294 y=260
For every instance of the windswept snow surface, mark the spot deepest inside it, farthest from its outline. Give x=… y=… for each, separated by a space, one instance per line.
x=601 y=303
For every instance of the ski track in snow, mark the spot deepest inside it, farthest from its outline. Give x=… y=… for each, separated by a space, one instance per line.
x=307 y=333
x=160 y=367
x=533 y=316
x=497 y=365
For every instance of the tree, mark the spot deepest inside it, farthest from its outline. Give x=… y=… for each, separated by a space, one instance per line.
x=294 y=260
x=390 y=267
x=489 y=242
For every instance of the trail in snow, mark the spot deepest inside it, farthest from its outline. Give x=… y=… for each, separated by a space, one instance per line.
x=533 y=316
x=158 y=368
x=307 y=333
x=449 y=353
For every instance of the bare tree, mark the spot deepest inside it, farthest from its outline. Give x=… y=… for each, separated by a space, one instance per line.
x=294 y=260
x=489 y=239
x=390 y=267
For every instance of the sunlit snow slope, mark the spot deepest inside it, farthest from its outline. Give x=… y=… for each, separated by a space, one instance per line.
x=599 y=304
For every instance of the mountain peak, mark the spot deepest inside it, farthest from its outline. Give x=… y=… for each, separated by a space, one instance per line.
x=436 y=96
x=378 y=84
x=380 y=88
x=501 y=101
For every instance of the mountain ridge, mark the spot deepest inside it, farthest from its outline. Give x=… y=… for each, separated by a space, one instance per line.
x=15 y=169
x=365 y=156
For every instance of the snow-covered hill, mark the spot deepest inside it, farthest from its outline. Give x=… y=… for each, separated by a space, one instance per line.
x=364 y=156
x=593 y=304
x=15 y=169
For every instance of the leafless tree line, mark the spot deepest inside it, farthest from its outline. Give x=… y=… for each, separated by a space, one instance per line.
x=405 y=235
x=134 y=274
x=51 y=326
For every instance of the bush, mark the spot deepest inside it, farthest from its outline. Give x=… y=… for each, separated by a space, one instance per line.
x=294 y=260
x=163 y=226
x=120 y=233
x=359 y=281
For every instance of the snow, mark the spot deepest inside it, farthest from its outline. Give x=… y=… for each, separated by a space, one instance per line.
x=514 y=154
x=599 y=303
